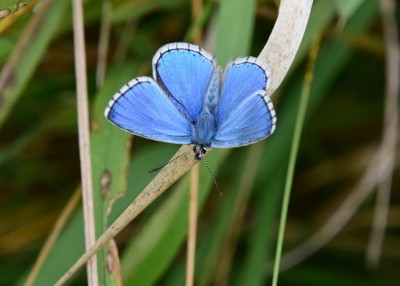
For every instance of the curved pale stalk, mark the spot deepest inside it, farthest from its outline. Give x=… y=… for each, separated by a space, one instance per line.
x=285 y=39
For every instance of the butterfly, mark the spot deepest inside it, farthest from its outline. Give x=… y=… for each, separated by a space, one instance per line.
x=190 y=100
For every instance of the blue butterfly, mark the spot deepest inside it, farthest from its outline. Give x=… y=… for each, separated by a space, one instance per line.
x=190 y=101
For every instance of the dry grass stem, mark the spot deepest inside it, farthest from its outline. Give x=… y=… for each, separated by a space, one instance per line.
x=102 y=52
x=388 y=146
x=191 y=244
x=196 y=12
x=84 y=137
x=194 y=181
x=124 y=42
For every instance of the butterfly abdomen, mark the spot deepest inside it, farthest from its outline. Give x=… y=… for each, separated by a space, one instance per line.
x=203 y=130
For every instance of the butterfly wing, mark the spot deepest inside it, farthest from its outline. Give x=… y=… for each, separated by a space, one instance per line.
x=184 y=72
x=141 y=107
x=245 y=113
x=252 y=120
x=243 y=77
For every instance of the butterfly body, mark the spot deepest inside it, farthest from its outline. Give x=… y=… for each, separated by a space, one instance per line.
x=190 y=101
x=204 y=128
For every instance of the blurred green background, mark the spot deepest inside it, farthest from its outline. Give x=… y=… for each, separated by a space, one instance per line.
x=237 y=233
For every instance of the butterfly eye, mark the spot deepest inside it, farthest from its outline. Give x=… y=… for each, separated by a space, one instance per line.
x=199 y=151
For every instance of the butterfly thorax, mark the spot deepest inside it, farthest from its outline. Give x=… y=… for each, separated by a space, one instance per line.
x=203 y=130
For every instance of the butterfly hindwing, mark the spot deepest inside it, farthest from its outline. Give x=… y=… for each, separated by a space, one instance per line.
x=251 y=120
x=142 y=108
x=184 y=72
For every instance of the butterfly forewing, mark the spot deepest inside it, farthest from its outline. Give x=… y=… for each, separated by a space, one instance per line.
x=142 y=108
x=184 y=71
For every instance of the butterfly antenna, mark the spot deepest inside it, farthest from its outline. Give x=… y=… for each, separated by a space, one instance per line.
x=162 y=166
x=212 y=177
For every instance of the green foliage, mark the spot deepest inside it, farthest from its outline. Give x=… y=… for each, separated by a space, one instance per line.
x=233 y=35
x=13 y=5
x=30 y=56
x=39 y=159
x=346 y=9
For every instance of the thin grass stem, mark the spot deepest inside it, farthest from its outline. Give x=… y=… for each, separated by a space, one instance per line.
x=104 y=40
x=191 y=245
x=84 y=137
x=388 y=146
x=293 y=155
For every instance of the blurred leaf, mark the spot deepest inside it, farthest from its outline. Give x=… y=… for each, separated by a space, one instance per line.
x=13 y=5
x=135 y=9
x=234 y=29
x=110 y=148
x=348 y=8
x=17 y=145
x=321 y=16
x=5 y=48
x=30 y=57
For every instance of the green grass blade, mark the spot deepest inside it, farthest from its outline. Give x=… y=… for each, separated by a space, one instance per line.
x=233 y=35
x=31 y=56
x=346 y=8
x=135 y=9
x=292 y=159
x=13 y=5
x=110 y=149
